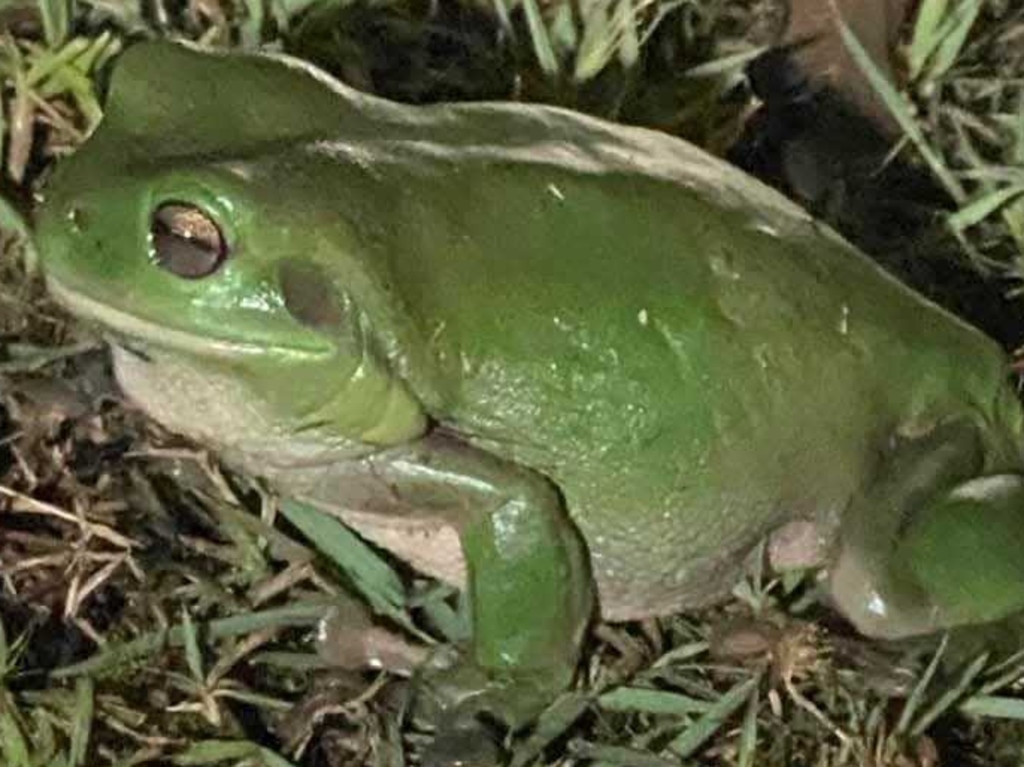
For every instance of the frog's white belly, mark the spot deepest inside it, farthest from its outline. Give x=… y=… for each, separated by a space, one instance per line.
x=218 y=410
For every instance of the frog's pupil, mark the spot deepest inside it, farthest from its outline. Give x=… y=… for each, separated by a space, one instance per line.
x=186 y=241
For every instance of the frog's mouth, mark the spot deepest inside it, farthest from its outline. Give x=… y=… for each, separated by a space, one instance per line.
x=141 y=333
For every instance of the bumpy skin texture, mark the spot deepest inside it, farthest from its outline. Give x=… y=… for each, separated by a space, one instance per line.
x=557 y=340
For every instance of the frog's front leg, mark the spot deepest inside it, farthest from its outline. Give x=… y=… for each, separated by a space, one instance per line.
x=529 y=587
x=932 y=545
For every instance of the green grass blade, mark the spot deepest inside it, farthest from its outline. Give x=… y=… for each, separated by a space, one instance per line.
x=208 y=752
x=193 y=655
x=994 y=707
x=953 y=35
x=747 y=748
x=270 y=759
x=81 y=727
x=917 y=694
x=712 y=720
x=647 y=701
x=899 y=109
x=298 y=614
x=949 y=697
x=925 y=38
x=978 y=210
x=13 y=746
x=542 y=47
x=618 y=756
x=552 y=724
x=370 y=574
x=56 y=15
x=629 y=39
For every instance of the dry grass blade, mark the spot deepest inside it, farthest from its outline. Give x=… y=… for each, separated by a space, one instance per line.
x=28 y=505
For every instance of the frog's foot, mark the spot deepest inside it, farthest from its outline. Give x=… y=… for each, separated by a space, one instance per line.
x=530 y=593
x=934 y=545
x=965 y=551
x=471 y=707
x=957 y=561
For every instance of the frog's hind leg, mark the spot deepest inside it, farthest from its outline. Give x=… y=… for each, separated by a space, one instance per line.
x=967 y=550
x=932 y=545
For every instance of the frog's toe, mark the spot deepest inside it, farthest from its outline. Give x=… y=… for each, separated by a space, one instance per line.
x=470 y=692
x=471 y=707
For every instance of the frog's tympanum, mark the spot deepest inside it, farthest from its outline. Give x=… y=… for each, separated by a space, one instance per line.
x=571 y=366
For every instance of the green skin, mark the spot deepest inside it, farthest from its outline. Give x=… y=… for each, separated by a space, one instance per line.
x=567 y=364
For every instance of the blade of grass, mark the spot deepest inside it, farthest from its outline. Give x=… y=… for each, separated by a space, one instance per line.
x=994 y=706
x=56 y=15
x=979 y=209
x=193 y=655
x=949 y=697
x=697 y=734
x=504 y=18
x=370 y=574
x=81 y=727
x=539 y=37
x=270 y=759
x=925 y=37
x=900 y=111
x=952 y=35
x=917 y=694
x=552 y=724
x=652 y=702
x=13 y=746
x=207 y=752
x=629 y=42
x=732 y=63
x=619 y=756
x=298 y=614
x=748 y=732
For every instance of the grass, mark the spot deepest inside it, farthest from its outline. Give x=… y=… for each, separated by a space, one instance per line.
x=155 y=610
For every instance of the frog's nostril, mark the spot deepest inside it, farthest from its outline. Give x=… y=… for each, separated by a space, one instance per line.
x=78 y=219
x=186 y=241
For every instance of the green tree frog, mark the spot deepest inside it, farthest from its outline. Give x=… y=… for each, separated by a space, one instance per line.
x=573 y=367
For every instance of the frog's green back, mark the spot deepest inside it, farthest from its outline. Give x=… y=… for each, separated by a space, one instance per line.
x=751 y=364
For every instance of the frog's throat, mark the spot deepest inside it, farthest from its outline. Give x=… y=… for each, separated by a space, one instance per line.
x=132 y=326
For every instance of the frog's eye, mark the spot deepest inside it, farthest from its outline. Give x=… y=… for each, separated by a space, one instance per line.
x=186 y=241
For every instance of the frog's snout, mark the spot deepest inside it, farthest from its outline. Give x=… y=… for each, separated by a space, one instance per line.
x=77 y=218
